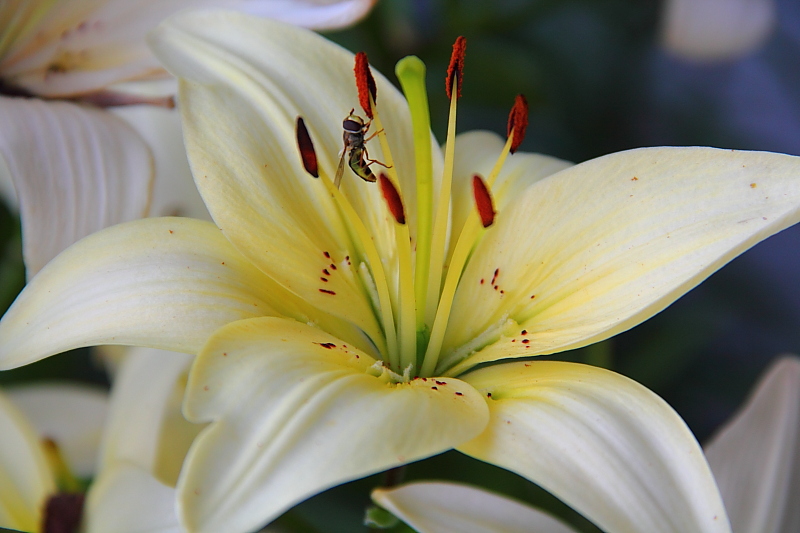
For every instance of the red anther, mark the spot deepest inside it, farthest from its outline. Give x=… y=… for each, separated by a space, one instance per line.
x=307 y=153
x=393 y=199
x=518 y=121
x=455 y=72
x=365 y=83
x=483 y=201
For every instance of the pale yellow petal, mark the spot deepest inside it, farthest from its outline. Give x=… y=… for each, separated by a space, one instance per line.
x=294 y=411
x=76 y=170
x=599 y=247
x=160 y=282
x=244 y=81
x=439 y=507
x=755 y=457
x=71 y=415
x=25 y=478
x=605 y=445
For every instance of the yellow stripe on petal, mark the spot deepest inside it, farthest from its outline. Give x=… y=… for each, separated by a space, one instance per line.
x=607 y=446
x=600 y=247
x=294 y=411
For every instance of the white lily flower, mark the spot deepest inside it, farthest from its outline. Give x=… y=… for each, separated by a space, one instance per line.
x=72 y=168
x=36 y=480
x=144 y=441
x=336 y=341
x=716 y=30
x=754 y=457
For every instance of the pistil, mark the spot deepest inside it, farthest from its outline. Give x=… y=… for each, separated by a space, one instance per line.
x=411 y=73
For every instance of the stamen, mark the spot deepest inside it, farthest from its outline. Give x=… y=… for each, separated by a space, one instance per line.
x=455 y=71
x=441 y=216
x=367 y=249
x=392 y=198
x=518 y=122
x=65 y=479
x=365 y=83
x=307 y=152
x=483 y=201
x=407 y=310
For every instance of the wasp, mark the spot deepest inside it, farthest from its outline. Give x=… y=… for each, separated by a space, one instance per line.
x=355 y=149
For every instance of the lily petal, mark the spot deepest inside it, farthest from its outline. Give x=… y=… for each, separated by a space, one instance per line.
x=295 y=411
x=314 y=14
x=439 y=507
x=128 y=499
x=600 y=247
x=141 y=408
x=144 y=446
x=756 y=456
x=605 y=445
x=71 y=415
x=75 y=169
x=174 y=192
x=162 y=282
x=245 y=158
x=80 y=47
x=709 y=30
x=25 y=478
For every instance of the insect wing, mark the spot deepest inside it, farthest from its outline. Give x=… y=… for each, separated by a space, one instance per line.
x=337 y=179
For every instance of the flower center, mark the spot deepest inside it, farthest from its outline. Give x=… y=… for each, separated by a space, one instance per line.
x=63 y=510
x=429 y=269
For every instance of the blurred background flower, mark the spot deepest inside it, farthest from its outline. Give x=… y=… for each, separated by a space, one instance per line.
x=600 y=78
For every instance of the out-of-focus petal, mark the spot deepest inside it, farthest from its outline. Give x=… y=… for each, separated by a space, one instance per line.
x=128 y=499
x=75 y=169
x=605 y=445
x=70 y=415
x=755 y=457
x=709 y=30
x=439 y=507
x=25 y=477
x=174 y=191
x=141 y=410
x=69 y=48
